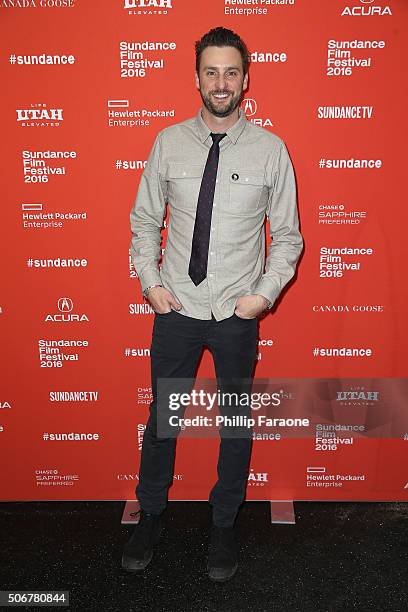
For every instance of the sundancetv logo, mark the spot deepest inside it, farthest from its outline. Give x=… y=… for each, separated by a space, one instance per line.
x=366 y=8
x=147 y=7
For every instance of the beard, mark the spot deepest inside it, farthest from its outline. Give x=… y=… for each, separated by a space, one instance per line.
x=221 y=109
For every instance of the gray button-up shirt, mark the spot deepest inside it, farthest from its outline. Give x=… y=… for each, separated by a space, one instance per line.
x=255 y=177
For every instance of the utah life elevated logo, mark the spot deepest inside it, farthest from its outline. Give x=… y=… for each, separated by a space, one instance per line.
x=147 y=7
x=366 y=8
x=38 y=115
x=257 y=479
x=357 y=395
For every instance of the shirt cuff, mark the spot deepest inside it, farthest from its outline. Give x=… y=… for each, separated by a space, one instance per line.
x=147 y=279
x=268 y=289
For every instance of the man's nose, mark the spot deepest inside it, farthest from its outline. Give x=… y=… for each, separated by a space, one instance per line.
x=221 y=82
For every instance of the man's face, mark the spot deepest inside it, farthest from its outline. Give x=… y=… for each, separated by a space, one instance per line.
x=221 y=80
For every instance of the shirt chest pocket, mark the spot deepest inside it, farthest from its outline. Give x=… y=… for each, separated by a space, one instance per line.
x=245 y=191
x=183 y=182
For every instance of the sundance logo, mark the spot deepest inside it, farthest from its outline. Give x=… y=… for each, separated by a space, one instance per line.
x=366 y=8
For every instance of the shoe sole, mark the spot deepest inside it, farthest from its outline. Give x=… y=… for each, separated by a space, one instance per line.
x=224 y=578
x=128 y=564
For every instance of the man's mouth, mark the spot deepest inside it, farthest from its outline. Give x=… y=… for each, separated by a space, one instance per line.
x=223 y=96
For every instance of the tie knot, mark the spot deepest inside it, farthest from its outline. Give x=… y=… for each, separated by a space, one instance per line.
x=217 y=137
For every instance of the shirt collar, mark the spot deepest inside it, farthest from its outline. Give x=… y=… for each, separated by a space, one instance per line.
x=233 y=132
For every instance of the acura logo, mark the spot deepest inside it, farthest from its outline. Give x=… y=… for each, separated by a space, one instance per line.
x=65 y=304
x=249 y=106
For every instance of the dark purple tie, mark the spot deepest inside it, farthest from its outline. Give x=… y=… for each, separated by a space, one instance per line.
x=197 y=269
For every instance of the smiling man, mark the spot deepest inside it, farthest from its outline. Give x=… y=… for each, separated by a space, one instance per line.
x=220 y=176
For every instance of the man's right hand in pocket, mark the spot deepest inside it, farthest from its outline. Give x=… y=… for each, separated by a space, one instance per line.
x=162 y=300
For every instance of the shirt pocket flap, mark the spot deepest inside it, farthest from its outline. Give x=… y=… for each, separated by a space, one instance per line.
x=178 y=170
x=238 y=177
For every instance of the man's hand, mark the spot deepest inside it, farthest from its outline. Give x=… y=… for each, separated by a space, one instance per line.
x=162 y=300
x=250 y=306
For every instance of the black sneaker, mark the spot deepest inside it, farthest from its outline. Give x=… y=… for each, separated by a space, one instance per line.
x=138 y=551
x=223 y=554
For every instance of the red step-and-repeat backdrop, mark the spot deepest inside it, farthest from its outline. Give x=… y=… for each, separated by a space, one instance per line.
x=86 y=87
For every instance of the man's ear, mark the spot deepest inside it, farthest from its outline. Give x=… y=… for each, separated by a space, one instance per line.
x=245 y=81
x=197 y=82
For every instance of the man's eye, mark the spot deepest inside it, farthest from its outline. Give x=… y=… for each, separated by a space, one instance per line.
x=232 y=74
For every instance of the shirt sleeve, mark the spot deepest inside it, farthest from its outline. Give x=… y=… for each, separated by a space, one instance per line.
x=287 y=242
x=146 y=220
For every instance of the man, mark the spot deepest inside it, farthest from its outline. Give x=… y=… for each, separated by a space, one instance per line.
x=220 y=175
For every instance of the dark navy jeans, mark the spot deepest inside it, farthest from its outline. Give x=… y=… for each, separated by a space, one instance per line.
x=177 y=344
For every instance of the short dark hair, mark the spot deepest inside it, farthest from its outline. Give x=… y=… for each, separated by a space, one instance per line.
x=222 y=37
